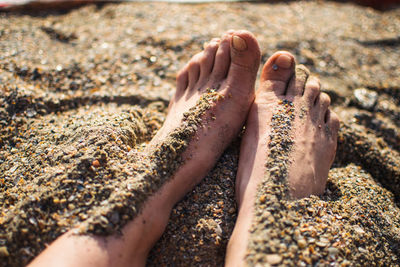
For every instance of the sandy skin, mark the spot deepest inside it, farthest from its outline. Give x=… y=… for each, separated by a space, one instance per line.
x=229 y=66
x=314 y=133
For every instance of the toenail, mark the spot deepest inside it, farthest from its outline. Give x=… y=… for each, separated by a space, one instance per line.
x=283 y=61
x=239 y=43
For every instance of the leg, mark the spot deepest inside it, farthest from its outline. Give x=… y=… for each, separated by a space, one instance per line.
x=312 y=130
x=228 y=66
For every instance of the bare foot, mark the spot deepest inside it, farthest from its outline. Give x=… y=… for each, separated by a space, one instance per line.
x=289 y=109
x=228 y=67
x=222 y=77
x=229 y=71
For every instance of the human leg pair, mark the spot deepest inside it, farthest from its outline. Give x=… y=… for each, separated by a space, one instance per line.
x=221 y=79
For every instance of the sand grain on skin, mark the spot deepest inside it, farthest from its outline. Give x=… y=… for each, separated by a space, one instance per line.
x=94 y=71
x=93 y=176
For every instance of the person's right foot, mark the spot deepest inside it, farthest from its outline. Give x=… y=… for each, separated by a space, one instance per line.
x=289 y=107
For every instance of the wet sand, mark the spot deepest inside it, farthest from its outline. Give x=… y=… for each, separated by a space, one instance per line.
x=84 y=91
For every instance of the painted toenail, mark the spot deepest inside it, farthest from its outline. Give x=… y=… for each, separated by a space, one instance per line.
x=239 y=43
x=283 y=61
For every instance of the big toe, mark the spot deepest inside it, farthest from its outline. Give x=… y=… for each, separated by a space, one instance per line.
x=277 y=72
x=245 y=58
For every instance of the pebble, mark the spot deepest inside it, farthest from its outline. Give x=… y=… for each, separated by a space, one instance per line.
x=96 y=163
x=365 y=98
x=273 y=259
x=4 y=252
x=358 y=229
x=363 y=250
x=173 y=48
x=333 y=251
x=115 y=218
x=302 y=243
x=322 y=244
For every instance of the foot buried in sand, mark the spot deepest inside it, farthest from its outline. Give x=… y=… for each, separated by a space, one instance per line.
x=286 y=152
x=218 y=84
x=214 y=93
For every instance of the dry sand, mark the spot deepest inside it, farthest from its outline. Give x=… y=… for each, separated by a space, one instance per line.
x=83 y=92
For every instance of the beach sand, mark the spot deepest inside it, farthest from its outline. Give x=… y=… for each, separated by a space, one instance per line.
x=83 y=91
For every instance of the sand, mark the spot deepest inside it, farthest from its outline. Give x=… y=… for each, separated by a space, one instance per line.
x=83 y=92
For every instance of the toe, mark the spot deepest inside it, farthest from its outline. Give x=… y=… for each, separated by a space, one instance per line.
x=182 y=79
x=322 y=105
x=193 y=68
x=222 y=60
x=333 y=122
x=207 y=62
x=277 y=72
x=298 y=81
x=213 y=40
x=312 y=90
x=245 y=58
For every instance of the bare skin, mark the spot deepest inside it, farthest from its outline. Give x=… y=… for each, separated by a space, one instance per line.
x=315 y=135
x=228 y=65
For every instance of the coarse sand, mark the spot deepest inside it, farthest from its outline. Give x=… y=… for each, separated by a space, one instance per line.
x=84 y=91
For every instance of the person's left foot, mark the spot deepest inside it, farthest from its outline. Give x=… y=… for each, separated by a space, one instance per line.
x=228 y=67
x=225 y=71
